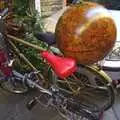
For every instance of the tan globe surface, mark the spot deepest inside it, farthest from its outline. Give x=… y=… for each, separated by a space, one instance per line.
x=86 y=32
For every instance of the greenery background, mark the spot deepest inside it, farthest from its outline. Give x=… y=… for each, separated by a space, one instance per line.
x=26 y=15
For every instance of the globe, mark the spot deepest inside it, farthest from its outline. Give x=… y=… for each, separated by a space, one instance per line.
x=86 y=32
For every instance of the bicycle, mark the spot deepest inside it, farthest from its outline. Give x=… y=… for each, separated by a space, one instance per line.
x=69 y=95
x=84 y=70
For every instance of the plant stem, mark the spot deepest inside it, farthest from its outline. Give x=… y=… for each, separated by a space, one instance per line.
x=13 y=38
x=25 y=59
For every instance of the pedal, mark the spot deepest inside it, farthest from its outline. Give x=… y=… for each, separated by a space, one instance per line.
x=32 y=103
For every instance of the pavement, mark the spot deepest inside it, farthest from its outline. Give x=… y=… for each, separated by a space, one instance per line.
x=113 y=113
x=13 y=107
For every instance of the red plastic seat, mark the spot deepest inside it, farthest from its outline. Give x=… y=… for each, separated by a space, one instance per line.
x=63 y=67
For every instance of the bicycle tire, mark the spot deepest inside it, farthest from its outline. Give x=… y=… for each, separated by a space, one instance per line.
x=108 y=84
x=104 y=82
x=4 y=85
x=16 y=86
x=83 y=114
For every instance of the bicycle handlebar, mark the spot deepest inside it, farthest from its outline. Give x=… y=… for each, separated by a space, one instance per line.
x=5 y=11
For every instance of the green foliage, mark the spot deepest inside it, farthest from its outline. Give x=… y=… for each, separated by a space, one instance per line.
x=20 y=7
x=26 y=14
x=32 y=23
x=32 y=55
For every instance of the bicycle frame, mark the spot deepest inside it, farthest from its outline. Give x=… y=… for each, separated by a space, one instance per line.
x=12 y=38
x=8 y=71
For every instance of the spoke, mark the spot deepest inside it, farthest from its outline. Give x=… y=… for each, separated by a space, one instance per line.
x=77 y=79
x=70 y=86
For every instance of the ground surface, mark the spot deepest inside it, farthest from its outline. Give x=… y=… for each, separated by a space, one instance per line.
x=12 y=107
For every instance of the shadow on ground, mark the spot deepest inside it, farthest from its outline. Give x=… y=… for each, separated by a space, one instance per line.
x=12 y=107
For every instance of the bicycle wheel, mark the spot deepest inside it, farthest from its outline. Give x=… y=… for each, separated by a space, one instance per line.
x=76 y=115
x=90 y=87
x=69 y=111
x=16 y=88
x=14 y=84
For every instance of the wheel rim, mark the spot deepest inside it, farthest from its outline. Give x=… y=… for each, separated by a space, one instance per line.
x=17 y=88
x=81 y=114
x=97 y=96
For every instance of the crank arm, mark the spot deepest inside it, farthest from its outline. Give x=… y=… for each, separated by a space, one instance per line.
x=35 y=85
x=31 y=103
x=36 y=100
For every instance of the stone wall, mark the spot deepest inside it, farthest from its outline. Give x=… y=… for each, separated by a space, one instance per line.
x=49 y=7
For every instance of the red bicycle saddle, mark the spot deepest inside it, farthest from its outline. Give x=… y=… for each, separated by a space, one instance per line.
x=63 y=67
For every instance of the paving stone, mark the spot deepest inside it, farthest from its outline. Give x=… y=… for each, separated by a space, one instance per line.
x=109 y=115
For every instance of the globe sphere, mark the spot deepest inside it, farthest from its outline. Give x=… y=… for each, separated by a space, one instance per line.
x=86 y=32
